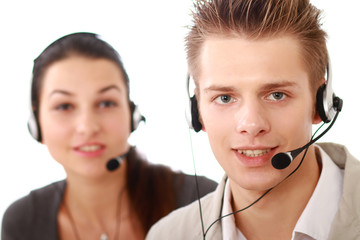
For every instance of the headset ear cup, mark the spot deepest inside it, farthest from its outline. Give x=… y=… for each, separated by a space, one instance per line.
x=196 y=124
x=136 y=116
x=33 y=127
x=132 y=120
x=320 y=108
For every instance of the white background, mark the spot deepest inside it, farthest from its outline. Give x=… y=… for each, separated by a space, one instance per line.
x=149 y=37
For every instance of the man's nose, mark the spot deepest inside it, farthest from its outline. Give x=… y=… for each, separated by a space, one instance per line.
x=251 y=119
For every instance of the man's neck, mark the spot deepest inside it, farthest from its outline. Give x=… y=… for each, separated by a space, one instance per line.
x=275 y=215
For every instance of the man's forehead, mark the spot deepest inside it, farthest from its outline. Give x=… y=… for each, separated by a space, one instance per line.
x=269 y=63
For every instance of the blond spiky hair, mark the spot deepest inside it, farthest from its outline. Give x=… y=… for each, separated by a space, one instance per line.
x=256 y=19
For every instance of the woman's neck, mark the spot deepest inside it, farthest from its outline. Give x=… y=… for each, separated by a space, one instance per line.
x=95 y=204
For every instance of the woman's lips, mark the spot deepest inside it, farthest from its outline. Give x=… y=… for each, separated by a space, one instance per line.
x=90 y=150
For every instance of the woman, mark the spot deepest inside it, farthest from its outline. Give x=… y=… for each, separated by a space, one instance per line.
x=83 y=114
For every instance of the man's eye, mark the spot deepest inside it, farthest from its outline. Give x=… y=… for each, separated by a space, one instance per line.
x=276 y=96
x=224 y=99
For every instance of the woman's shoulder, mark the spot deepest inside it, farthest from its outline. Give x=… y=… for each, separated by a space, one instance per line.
x=185 y=183
x=191 y=187
x=52 y=191
x=38 y=196
x=161 y=176
x=35 y=209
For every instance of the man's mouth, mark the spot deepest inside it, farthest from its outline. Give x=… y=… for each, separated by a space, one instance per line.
x=254 y=153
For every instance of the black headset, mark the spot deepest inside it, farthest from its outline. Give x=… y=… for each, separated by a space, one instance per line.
x=35 y=131
x=327 y=103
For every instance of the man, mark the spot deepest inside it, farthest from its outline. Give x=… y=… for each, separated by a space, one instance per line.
x=257 y=67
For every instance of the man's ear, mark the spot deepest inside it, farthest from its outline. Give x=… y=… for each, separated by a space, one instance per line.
x=316 y=118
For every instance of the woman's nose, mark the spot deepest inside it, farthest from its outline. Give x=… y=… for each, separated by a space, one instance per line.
x=88 y=123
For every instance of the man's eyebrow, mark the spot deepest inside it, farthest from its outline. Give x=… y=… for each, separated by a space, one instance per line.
x=219 y=88
x=267 y=86
x=280 y=84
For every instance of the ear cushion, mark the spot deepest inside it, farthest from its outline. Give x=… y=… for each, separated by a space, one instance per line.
x=320 y=108
x=196 y=124
x=33 y=127
x=136 y=116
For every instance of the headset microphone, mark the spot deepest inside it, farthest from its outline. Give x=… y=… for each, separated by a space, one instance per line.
x=114 y=163
x=328 y=106
x=283 y=159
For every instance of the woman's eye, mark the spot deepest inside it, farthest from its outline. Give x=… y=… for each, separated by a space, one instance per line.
x=276 y=96
x=106 y=104
x=64 y=107
x=224 y=99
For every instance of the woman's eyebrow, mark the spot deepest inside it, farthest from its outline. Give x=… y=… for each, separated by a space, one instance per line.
x=67 y=93
x=105 y=89
x=60 y=91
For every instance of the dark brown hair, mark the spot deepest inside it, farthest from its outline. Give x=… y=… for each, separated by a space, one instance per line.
x=255 y=19
x=151 y=189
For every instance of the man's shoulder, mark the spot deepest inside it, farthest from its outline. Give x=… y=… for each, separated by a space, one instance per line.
x=183 y=223
x=338 y=153
x=347 y=221
x=187 y=222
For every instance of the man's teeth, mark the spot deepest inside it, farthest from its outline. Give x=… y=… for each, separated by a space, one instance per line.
x=254 y=153
x=90 y=148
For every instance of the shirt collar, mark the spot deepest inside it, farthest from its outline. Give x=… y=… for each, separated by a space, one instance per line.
x=316 y=219
x=230 y=231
